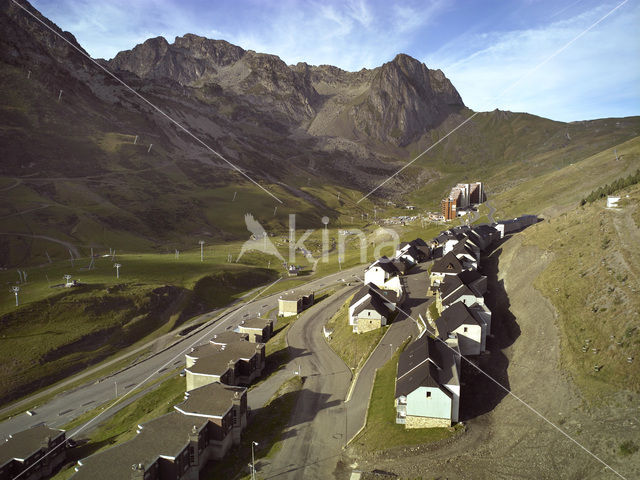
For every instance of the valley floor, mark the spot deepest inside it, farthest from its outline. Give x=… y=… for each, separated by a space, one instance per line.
x=510 y=440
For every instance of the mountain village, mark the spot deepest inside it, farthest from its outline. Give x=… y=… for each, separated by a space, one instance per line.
x=450 y=314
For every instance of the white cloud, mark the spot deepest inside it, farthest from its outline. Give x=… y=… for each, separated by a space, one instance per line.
x=499 y=70
x=584 y=81
x=407 y=18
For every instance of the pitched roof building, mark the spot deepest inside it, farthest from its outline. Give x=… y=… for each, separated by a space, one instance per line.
x=371 y=307
x=176 y=445
x=468 y=324
x=24 y=451
x=235 y=363
x=428 y=384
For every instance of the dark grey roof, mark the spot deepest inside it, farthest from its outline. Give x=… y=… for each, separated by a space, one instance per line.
x=374 y=290
x=449 y=284
x=26 y=442
x=414 y=367
x=454 y=295
x=374 y=302
x=400 y=264
x=460 y=229
x=437 y=252
x=295 y=295
x=387 y=265
x=212 y=400
x=416 y=353
x=470 y=276
x=364 y=291
x=228 y=336
x=425 y=362
x=443 y=237
x=452 y=318
x=167 y=436
x=485 y=234
x=387 y=295
x=465 y=278
x=418 y=242
x=255 y=322
x=447 y=264
x=214 y=359
x=462 y=248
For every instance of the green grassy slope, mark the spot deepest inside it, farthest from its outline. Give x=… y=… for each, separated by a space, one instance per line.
x=58 y=331
x=505 y=149
x=564 y=188
x=593 y=282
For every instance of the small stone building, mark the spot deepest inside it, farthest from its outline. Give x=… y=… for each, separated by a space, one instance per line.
x=257 y=329
x=292 y=303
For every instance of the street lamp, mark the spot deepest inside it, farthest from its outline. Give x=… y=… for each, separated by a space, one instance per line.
x=15 y=290
x=253 y=461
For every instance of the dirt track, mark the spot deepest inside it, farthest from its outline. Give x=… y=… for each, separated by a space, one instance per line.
x=504 y=439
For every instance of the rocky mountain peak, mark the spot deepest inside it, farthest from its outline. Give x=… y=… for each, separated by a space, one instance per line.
x=404 y=101
x=25 y=37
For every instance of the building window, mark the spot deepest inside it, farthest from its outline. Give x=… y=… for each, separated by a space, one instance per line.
x=466 y=329
x=428 y=394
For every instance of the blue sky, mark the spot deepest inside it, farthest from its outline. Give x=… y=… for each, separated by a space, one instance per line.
x=489 y=49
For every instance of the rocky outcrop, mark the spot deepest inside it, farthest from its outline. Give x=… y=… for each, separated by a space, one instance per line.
x=190 y=60
x=395 y=103
x=405 y=100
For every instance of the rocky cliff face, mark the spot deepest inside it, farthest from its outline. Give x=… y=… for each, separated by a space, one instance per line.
x=395 y=103
x=263 y=80
x=404 y=101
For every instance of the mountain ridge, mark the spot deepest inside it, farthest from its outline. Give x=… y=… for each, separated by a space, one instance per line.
x=403 y=93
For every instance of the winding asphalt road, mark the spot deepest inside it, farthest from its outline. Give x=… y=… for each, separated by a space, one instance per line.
x=326 y=417
x=316 y=431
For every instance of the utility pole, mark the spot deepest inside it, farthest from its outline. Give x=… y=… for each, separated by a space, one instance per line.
x=117 y=267
x=201 y=242
x=150 y=145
